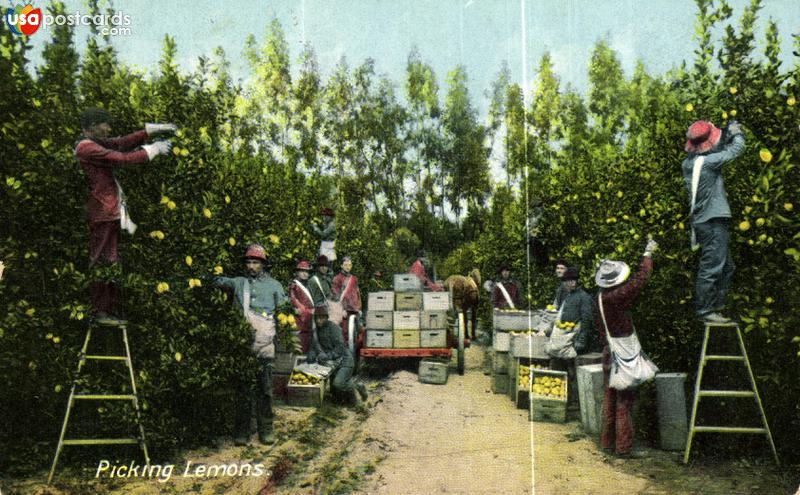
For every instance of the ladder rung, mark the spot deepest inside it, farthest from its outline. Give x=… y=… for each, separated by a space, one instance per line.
x=103 y=397
x=724 y=358
x=101 y=441
x=730 y=324
x=107 y=358
x=726 y=393
x=727 y=429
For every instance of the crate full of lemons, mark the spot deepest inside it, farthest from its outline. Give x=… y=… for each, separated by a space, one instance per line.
x=305 y=390
x=548 y=395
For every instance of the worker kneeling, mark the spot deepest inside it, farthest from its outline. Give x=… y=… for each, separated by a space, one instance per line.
x=328 y=349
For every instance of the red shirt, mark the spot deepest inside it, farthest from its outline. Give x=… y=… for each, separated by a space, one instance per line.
x=352 y=299
x=499 y=300
x=616 y=302
x=419 y=270
x=98 y=159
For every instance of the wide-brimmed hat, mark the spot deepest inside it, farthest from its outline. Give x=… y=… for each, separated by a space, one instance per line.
x=303 y=265
x=571 y=273
x=701 y=137
x=611 y=273
x=504 y=266
x=322 y=260
x=255 y=252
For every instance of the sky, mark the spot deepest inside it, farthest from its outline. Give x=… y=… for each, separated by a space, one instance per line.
x=479 y=34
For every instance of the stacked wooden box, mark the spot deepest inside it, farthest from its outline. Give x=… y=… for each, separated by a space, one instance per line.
x=548 y=396
x=503 y=324
x=407 y=318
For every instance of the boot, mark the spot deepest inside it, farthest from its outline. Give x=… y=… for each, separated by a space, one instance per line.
x=240 y=440
x=266 y=437
x=362 y=391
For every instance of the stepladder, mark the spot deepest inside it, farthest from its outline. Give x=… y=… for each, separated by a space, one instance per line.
x=79 y=396
x=724 y=394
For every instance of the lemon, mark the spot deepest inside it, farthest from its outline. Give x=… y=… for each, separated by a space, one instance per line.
x=227 y=199
x=178 y=357
x=164 y=200
x=206 y=213
x=188 y=260
x=171 y=205
x=788 y=206
x=732 y=89
x=689 y=107
x=176 y=151
x=765 y=155
x=218 y=270
x=759 y=222
x=184 y=152
x=733 y=113
x=791 y=101
x=744 y=226
x=231 y=241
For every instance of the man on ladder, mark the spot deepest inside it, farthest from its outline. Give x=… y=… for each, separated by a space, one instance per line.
x=710 y=213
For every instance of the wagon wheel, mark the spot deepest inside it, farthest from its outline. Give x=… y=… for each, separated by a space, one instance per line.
x=460 y=343
x=352 y=335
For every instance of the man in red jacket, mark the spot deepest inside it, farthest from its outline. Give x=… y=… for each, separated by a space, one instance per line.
x=99 y=156
x=418 y=269
x=618 y=294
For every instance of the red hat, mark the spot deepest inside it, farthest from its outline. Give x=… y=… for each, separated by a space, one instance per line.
x=322 y=260
x=701 y=137
x=304 y=265
x=326 y=211
x=255 y=251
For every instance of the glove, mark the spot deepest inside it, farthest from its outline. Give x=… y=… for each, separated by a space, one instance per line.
x=153 y=129
x=157 y=148
x=734 y=128
x=652 y=245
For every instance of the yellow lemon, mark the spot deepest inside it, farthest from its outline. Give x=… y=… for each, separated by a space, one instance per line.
x=30 y=312
x=56 y=340
x=759 y=222
x=745 y=225
x=732 y=89
x=619 y=194
x=290 y=319
x=227 y=199
x=724 y=115
x=218 y=270
x=57 y=388
x=231 y=241
x=179 y=133
x=791 y=101
x=635 y=237
x=176 y=151
x=164 y=200
x=769 y=300
x=788 y=206
x=273 y=239
x=733 y=113
x=188 y=260
x=178 y=357
x=171 y=205
x=689 y=107
x=184 y=152
x=750 y=242
x=765 y=155
x=748 y=209
x=206 y=213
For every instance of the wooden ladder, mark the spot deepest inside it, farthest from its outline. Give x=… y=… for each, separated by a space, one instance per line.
x=700 y=393
x=73 y=396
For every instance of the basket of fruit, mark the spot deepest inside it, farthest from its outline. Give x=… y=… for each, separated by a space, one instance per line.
x=307 y=384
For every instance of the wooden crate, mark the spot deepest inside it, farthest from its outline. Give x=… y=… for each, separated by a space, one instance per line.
x=514 y=320
x=406 y=320
x=380 y=320
x=499 y=383
x=433 y=338
x=433 y=371
x=381 y=339
x=433 y=320
x=380 y=301
x=408 y=301
x=528 y=346
x=406 y=339
x=436 y=301
x=407 y=282
x=500 y=362
x=305 y=395
x=548 y=408
x=521 y=391
x=501 y=341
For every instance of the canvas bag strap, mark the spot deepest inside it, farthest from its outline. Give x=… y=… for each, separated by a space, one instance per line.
x=505 y=294
x=698 y=166
x=246 y=297
x=346 y=287
x=316 y=279
x=305 y=291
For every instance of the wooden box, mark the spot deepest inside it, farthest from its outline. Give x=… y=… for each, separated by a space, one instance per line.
x=528 y=346
x=512 y=320
x=545 y=406
x=433 y=320
x=433 y=371
x=381 y=339
x=500 y=362
x=501 y=341
x=406 y=320
x=408 y=301
x=407 y=282
x=432 y=301
x=588 y=358
x=380 y=301
x=499 y=383
x=405 y=339
x=380 y=320
x=299 y=395
x=433 y=338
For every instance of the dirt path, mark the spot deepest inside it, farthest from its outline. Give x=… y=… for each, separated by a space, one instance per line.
x=457 y=438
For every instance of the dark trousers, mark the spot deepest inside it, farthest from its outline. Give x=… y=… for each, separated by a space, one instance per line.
x=258 y=391
x=104 y=263
x=344 y=379
x=617 y=431
x=716 y=269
